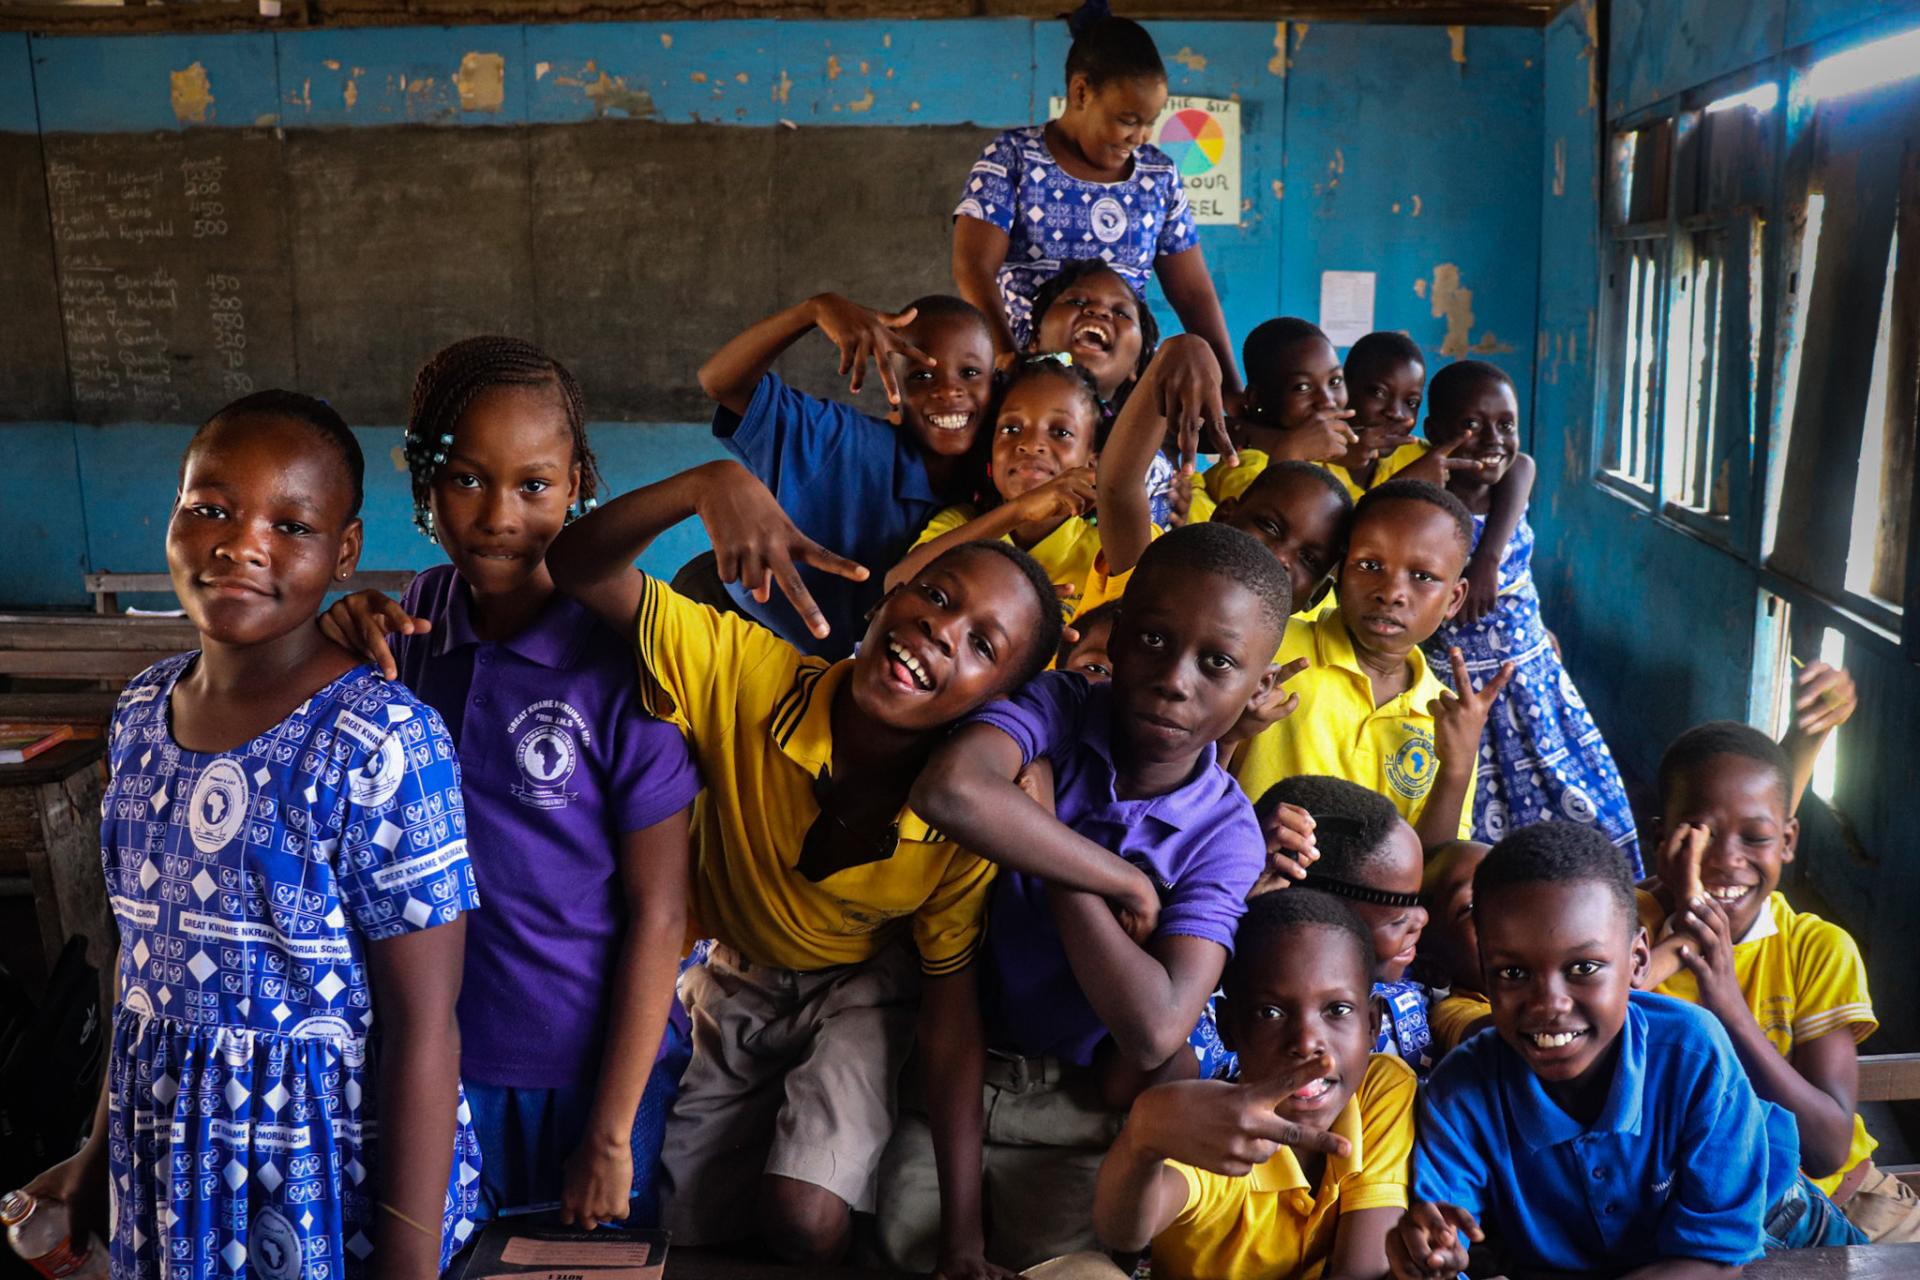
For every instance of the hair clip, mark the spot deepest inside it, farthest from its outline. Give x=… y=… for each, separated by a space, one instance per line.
x=1057 y=357
x=446 y=437
x=1359 y=892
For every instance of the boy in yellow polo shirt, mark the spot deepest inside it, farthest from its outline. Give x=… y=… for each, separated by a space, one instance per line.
x=1789 y=987
x=1301 y=1168
x=1370 y=710
x=810 y=871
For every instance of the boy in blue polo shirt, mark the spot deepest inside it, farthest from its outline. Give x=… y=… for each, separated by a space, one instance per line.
x=860 y=485
x=1595 y=1129
x=1073 y=1003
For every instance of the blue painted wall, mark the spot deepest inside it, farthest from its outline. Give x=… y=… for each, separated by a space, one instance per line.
x=1392 y=149
x=1658 y=626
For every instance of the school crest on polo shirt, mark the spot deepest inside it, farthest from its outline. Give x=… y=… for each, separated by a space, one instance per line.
x=547 y=739
x=1412 y=767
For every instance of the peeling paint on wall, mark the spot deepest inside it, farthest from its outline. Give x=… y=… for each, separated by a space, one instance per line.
x=1277 y=64
x=1420 y=288
x=1560 y=166
x=1190 y=60
x=540 y=70
x=482 y=81
x=1335 y=167
x=1591 y=54
x=699 y=77
x=833 y=67
x=1457 y=44
x=1455 y=303
x=1416 y=204
x=350 y=91
x=609 y=95
x=783 y=87
x=1279 y=189
x=191 y=94
x=666 y=39
x=862 y=103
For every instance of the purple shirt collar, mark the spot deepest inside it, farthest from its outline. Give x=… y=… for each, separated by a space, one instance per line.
x=554 y=639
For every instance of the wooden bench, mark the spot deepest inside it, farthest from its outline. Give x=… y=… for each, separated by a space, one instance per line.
x=1892 y=1077
x=105 y=588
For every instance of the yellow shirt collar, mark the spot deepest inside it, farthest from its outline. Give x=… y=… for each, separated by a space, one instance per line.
x=1335 y=644
x=1282 y=1171
x=802 y=727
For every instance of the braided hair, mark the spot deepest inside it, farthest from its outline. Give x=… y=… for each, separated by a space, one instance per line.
x=446 y=387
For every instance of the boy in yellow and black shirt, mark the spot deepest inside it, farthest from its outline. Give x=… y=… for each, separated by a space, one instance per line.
x=1301 y=1167
x=1370 y=710
x=1789 y=987
x=810 y=870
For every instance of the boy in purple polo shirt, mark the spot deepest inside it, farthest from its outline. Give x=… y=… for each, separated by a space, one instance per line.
x=1075 y=1005
x=578 y=800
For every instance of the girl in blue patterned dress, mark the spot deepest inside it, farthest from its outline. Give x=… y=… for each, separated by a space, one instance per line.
x=1542 y=756
x=1087 y=185
x=284 y=849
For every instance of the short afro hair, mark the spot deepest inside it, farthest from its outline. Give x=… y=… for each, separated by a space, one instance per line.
x=1276 y=472
x=1224 y=552
x=944 y=306
x=1272 y=337
x=1277 y=912
x=1351 y=824
x=1454 y=383
x=1557 y=853
x=1046 y=633
x=1079 y=269
x=1100 y=615
x=1380 y=349
x=1692 y=750
x=319 y=417
x=1108 y=48
x=1402 y=489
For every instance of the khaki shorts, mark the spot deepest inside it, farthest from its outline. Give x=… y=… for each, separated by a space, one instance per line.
x=1881 y=1205
x=792 y=1075
x=1045 y=1135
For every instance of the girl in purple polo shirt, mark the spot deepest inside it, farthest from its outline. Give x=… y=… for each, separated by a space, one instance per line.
x=579 y=800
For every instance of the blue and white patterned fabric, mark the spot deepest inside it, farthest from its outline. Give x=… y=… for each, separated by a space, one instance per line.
x=247 y=884
x=1052 y=218
x=1542 y=756
x=1403 y=1024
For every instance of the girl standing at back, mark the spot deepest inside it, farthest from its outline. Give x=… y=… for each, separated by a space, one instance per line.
x=284 y=848
x=578 y=799
x=1542 y=756
x=1088 y=185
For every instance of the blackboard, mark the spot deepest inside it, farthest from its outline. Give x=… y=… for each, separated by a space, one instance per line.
x=405 y=239
x=170 y=250
x=33 y=371
x=194 y=266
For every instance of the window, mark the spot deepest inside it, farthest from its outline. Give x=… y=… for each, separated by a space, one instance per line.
x=1841 y=486
x=1636 y=288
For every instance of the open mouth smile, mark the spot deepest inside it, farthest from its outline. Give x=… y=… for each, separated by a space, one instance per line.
x=906 y=669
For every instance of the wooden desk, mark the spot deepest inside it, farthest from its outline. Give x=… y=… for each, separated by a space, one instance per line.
x=50 y=846
x=1877 y=1262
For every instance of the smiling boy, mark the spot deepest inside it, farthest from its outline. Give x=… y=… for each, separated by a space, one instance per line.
x=1597 y=1129
x=1370 y=709
x=1301 y=1168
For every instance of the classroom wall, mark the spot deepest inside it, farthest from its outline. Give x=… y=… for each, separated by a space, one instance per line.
x=1410 y=151
x=1659 y=627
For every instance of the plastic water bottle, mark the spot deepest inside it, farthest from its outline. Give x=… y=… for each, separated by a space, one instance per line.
x=41 y=1232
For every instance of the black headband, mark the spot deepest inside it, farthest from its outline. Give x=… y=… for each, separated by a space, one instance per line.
x=1359 y=892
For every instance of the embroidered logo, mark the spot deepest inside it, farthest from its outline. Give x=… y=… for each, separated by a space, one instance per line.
x=375 y=782
x=219 y=806
x=1412 y=767
x=547 y=738
x=1108 y=219
x=273 y=1246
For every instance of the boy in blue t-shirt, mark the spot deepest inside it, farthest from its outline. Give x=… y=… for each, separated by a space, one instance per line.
x=858 y=485
x=1595 y=1129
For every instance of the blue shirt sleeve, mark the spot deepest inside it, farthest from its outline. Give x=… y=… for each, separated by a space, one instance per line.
x=1047 y=710
x=1449 y=1160
x=1718 y=1205
x=989 y=191
x=787 y=438
x=402 y=862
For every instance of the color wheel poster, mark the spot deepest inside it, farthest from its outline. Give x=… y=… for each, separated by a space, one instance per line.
x=1202 y=137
